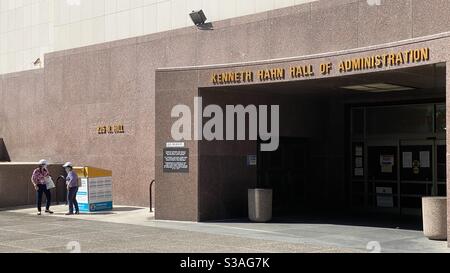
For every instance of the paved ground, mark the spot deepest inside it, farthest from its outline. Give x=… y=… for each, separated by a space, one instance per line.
x=130 y=229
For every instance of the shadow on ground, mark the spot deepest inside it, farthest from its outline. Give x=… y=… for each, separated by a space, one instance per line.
x=404 y=222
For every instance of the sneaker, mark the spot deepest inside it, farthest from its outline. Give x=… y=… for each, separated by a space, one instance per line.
x=49 y=211
x=77 y=212
x=39 y=213
x=69 y=213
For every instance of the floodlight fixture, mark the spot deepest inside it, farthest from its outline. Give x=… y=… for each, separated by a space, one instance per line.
x=199 y=19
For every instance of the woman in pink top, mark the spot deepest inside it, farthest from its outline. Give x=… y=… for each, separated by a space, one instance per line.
x=38 y=180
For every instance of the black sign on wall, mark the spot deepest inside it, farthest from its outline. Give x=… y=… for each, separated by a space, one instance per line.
x=176 y=160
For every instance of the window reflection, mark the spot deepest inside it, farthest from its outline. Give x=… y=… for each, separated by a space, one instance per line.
x=405 y=119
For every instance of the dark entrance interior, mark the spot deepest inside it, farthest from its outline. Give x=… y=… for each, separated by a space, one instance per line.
x=359 y=149
x=286 y=171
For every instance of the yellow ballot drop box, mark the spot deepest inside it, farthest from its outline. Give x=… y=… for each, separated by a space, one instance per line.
x=95 y=191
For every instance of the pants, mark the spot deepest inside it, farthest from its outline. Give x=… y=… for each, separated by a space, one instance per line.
x=72 y=196
x=41 y=190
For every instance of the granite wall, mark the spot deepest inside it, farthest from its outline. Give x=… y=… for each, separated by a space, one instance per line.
x=54 y=112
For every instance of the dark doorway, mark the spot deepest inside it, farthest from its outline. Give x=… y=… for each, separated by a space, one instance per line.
x=286 y=171
x=403 y=146
x=342 y=152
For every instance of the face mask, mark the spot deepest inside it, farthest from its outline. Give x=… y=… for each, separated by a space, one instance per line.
x=67 y=170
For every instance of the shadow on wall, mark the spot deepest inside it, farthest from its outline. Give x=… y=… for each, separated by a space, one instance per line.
x=4 y=156
x=16 y=188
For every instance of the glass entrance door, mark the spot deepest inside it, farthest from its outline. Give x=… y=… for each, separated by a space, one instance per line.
x=401 y=172
x=383 y=183
x=417 y=173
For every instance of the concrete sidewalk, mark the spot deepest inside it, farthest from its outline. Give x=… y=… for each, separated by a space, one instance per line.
x=133 y=229
x=22 y=231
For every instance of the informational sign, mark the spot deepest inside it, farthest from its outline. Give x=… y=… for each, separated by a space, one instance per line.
x=407 y=160
x=359 y=162
x=387 y=163
x=425 y=159
x=252 y=160
x=358 y=150
x=359 y=172
x=82 y=195
x=358 y=159
x=100 y=189
x=175 y=145
x=385 y=198
x=176 y=160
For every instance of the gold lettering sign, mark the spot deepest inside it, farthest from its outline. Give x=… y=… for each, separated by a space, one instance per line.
x=232 y=77
x=302 y=71
x=273 y=74
x=385 y=60
x=391 y=59
x=111 y=129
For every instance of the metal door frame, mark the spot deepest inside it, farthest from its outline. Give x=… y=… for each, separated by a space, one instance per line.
x=433 y=158
x=434 y=138
x=440 y=142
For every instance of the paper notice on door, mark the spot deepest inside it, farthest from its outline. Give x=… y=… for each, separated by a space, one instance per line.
x=387 y=160
x=387 y=163
x=359 y=162
x=407 y=160
x=386 y=169
x=359 y=151
x=425 y=159
x=359 y=172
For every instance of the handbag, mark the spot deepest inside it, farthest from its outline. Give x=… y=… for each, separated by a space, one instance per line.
x=49 y=183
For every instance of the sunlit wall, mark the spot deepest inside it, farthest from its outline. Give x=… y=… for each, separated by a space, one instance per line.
x=30 y=28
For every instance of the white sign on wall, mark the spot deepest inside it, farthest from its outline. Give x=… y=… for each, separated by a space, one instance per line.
x=175 y=145
x=385 y=198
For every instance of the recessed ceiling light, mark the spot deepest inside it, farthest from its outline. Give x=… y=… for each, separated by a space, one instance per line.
x=378 y=87
x=381 y=86
x=358 y=88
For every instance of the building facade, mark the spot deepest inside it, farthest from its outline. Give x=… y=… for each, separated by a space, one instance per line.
x=31 y=28
x=361 y=88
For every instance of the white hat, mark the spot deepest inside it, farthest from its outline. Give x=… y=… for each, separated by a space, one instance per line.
x=43 y=162
x=68 y=164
